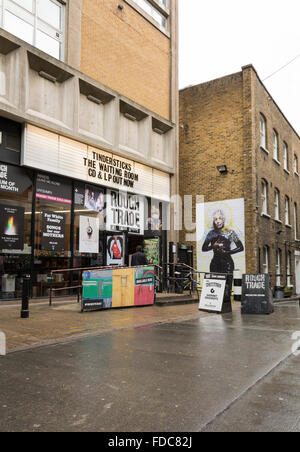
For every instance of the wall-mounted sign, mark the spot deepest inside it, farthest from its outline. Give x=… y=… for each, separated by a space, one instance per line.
x=124 y=212
x=53 y=231
x=213 y=291
x=115 y=250
x=105 y=169
x=14 y=179
x=88 y=235
x=53 y=188
x=12 y=227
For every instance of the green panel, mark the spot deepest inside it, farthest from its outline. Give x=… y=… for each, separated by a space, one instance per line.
x=91 y=289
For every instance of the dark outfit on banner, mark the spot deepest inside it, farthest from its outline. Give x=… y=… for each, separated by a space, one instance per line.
x=220 y=242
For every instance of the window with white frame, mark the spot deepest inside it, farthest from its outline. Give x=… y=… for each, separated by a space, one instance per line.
x=277 y=204
x=38 y=22
x=285 y=157
x=264 y=197
x=288 y=269
x=287 y=210
x=295 y=164
x=148 y=7
x=263 y=132
x=275 y=146
x=296 y=220
x=265 y=259
x=278 y=267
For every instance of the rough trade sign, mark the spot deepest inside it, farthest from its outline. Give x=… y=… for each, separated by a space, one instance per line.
x=257 y=295
x=125 y=212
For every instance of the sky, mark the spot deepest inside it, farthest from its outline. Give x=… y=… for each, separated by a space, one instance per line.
x=218 y=37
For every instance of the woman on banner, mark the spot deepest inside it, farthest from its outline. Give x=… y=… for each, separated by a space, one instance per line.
x=224 y=242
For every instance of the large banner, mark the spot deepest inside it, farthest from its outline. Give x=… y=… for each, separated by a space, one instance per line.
x=221 y=236
x=12 y=227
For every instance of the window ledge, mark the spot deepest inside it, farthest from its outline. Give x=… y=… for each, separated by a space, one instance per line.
x=289 y=226
x=266 y=215
x=277 y=161
x=278 y=221
x=287 y=171
x=265 y=150
x=296 y=173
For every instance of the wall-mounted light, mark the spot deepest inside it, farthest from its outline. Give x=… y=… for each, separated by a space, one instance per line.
x=222 y=169
x=94 y=99
x=120 y=7
x=130 y=117
x=159 y=131
x=47 y=76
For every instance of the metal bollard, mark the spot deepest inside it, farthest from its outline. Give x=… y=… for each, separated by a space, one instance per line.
x=25 y=298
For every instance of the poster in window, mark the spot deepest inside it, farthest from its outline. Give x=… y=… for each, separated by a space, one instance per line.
x=115 y=250
x=221 y=236
x=88 y=235
x=53 y=231
x=94 y=198
x=12 y=227
x=53 y=188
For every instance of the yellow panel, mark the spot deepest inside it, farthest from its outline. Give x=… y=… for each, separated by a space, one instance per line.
x=123 y=287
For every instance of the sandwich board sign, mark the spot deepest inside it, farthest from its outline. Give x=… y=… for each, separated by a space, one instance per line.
x=213 y=292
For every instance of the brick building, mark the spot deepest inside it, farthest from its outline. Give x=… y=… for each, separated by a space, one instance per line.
x=236 y=143
x=88 y=110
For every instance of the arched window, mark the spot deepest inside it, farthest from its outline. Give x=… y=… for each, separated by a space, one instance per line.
x=275 y=146
x=278 y=267
x=263 y=132
x=264 y=197
x=265 y=259
x=287 y=211
x=285 y=157
x=277 y=204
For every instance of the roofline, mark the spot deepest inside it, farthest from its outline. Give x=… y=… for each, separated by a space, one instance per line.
x=250 y=66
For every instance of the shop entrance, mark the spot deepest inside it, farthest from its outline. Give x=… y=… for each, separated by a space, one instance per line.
x=150 y=245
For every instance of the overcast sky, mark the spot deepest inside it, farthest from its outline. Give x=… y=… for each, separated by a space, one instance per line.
x=218 y=37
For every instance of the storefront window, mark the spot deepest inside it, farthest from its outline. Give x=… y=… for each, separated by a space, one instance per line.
x=15 y=229
x=89 y=225
x=52 y=233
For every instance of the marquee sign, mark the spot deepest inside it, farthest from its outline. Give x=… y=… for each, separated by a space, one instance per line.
x=105 y=169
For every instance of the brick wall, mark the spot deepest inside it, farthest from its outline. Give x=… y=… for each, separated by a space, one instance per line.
x=220 y=125
x=212 y=134
x=275 y=176
x=126 y=53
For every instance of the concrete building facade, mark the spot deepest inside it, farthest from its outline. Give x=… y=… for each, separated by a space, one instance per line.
x=236 y=143
x=88 y=95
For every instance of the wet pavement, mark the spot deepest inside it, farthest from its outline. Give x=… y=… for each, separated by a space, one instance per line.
x=208 y=373
x=64 y=321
